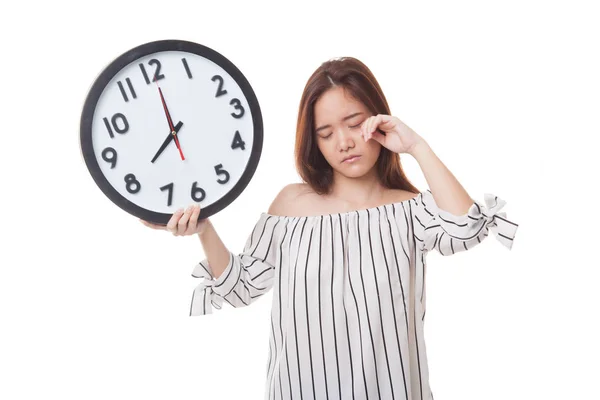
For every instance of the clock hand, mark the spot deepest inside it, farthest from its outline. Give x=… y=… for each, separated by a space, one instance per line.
x=162 y=99
x=167 y=140
x=177 y=144
x=169 y=120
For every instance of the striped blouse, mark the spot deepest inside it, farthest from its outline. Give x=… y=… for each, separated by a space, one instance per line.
x=349 y=293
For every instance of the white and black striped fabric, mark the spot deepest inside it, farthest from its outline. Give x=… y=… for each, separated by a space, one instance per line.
x=348 y=294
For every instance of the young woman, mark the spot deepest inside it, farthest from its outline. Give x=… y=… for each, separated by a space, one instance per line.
x=344 y=251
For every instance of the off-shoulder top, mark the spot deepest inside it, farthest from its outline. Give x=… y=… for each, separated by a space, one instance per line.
x=349 y=295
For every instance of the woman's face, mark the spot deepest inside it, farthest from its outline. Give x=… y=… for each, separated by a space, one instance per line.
x=338 y=118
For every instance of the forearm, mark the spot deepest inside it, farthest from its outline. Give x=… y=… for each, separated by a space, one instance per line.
x=448 y=193
x=214 y=249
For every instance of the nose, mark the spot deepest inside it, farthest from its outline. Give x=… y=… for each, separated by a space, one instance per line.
x=345 y=139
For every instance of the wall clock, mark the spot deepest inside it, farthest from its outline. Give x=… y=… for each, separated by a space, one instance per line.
x=170 y=123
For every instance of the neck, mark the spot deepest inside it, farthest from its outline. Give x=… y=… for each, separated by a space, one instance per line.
x=357 y=192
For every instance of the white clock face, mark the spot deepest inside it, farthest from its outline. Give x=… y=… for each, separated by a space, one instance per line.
x=141 y=106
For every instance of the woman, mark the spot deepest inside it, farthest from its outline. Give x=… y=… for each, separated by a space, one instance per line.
x=345 y=250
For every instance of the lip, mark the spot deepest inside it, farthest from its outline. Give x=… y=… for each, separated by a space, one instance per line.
x=352 y=158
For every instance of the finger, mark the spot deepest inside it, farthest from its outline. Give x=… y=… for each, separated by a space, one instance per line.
x=372 y=125
x=365 y=127
x=383 y=119
x=183 y=221
x=380 y=121
x=377 y=120
x=151 y=225
x=386 y=120
x=377 y=136
x=192 y=225
x=172 y=224
x=388 y=123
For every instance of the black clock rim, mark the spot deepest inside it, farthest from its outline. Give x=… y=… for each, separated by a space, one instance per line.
x=125 y=59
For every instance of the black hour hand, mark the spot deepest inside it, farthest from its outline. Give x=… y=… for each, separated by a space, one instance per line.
x=167 y=141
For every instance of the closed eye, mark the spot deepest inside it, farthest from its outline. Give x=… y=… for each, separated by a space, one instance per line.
x=352 y=127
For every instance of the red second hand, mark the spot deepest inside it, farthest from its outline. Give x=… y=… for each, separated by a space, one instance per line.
x=162 y=99
x=179 y=147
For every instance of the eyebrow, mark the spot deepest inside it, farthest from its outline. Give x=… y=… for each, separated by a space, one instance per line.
x=344 y=119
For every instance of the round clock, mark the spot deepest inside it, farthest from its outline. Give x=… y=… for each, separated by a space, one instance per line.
x=168 y=124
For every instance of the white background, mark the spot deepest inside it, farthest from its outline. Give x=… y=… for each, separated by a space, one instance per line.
x=94 y=305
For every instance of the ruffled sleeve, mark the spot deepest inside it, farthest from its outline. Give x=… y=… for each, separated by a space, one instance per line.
x=437 y=229
x=248 y=275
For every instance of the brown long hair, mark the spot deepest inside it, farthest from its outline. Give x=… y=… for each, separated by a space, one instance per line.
x=359 y=82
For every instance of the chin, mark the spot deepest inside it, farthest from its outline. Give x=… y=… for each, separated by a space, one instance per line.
x=354 y=172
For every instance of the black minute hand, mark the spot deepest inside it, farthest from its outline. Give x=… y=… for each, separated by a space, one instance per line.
x=167 y=141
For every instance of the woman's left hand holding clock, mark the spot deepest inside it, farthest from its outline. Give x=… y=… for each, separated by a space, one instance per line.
x=182 y=223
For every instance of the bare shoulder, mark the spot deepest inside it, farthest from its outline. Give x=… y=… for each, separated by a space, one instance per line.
x=286 y=199
x=298 y=199
x=399 y=195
